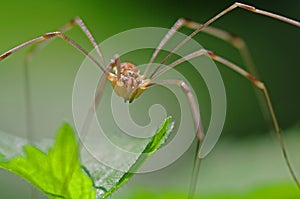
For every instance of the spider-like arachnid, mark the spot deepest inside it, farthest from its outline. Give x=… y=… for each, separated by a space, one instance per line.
x=129 y=84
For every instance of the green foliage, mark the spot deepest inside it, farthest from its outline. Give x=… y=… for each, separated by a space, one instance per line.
x=156 y=141
x=59 y=173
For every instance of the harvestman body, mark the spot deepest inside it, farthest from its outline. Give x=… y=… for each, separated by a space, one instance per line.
x=129 y=84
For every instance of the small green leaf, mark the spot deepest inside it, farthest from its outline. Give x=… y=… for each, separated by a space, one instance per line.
x=155 y=142
x=160 y=137
x=58 y=173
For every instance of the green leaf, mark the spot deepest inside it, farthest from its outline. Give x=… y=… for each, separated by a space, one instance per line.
x=58 y=173
x=155 y=142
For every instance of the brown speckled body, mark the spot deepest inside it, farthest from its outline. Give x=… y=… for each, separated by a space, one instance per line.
x=130 y=84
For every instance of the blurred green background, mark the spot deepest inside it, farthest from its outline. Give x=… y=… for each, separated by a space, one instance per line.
x=241 y=160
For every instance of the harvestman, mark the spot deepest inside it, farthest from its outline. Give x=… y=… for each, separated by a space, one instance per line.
x=128 y=83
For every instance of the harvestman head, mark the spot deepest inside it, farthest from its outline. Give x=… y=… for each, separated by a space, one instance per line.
x=129 y=84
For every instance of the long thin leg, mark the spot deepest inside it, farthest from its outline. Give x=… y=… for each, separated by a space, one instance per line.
x=192 y=103
x=48 y=36
x=242 y=47
x=76 y=21
x=226 y=36
x=86 y=125
x=227 y=10
x=89 y=116
x=36 y=48
x=256 y=83
x=28 y=57
x=28 y=105
x=77 y=46
x=235 y=41
x=179 y=23
x=28 y=115
x=198 y=127
x=79 y=21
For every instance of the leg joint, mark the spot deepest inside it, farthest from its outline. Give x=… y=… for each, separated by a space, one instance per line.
x=51 y=34
x=244 y=6
x=185 y=87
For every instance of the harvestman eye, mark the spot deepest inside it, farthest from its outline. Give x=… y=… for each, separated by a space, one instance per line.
x=129 y=84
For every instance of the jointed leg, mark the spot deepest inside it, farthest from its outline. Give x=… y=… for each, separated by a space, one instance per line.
x=79 y=22
x=35 y=49
x=241 y=46
x=89 y=117
x=191 y=100
x=255 y=82
x=48 y=36
x=235 y=41
x=198 y=126
x=96 y=100
x=39 y=46
x=232 y=39
x=83 y=130
x=205 y=25
x=68 y=26
x=105 y=70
